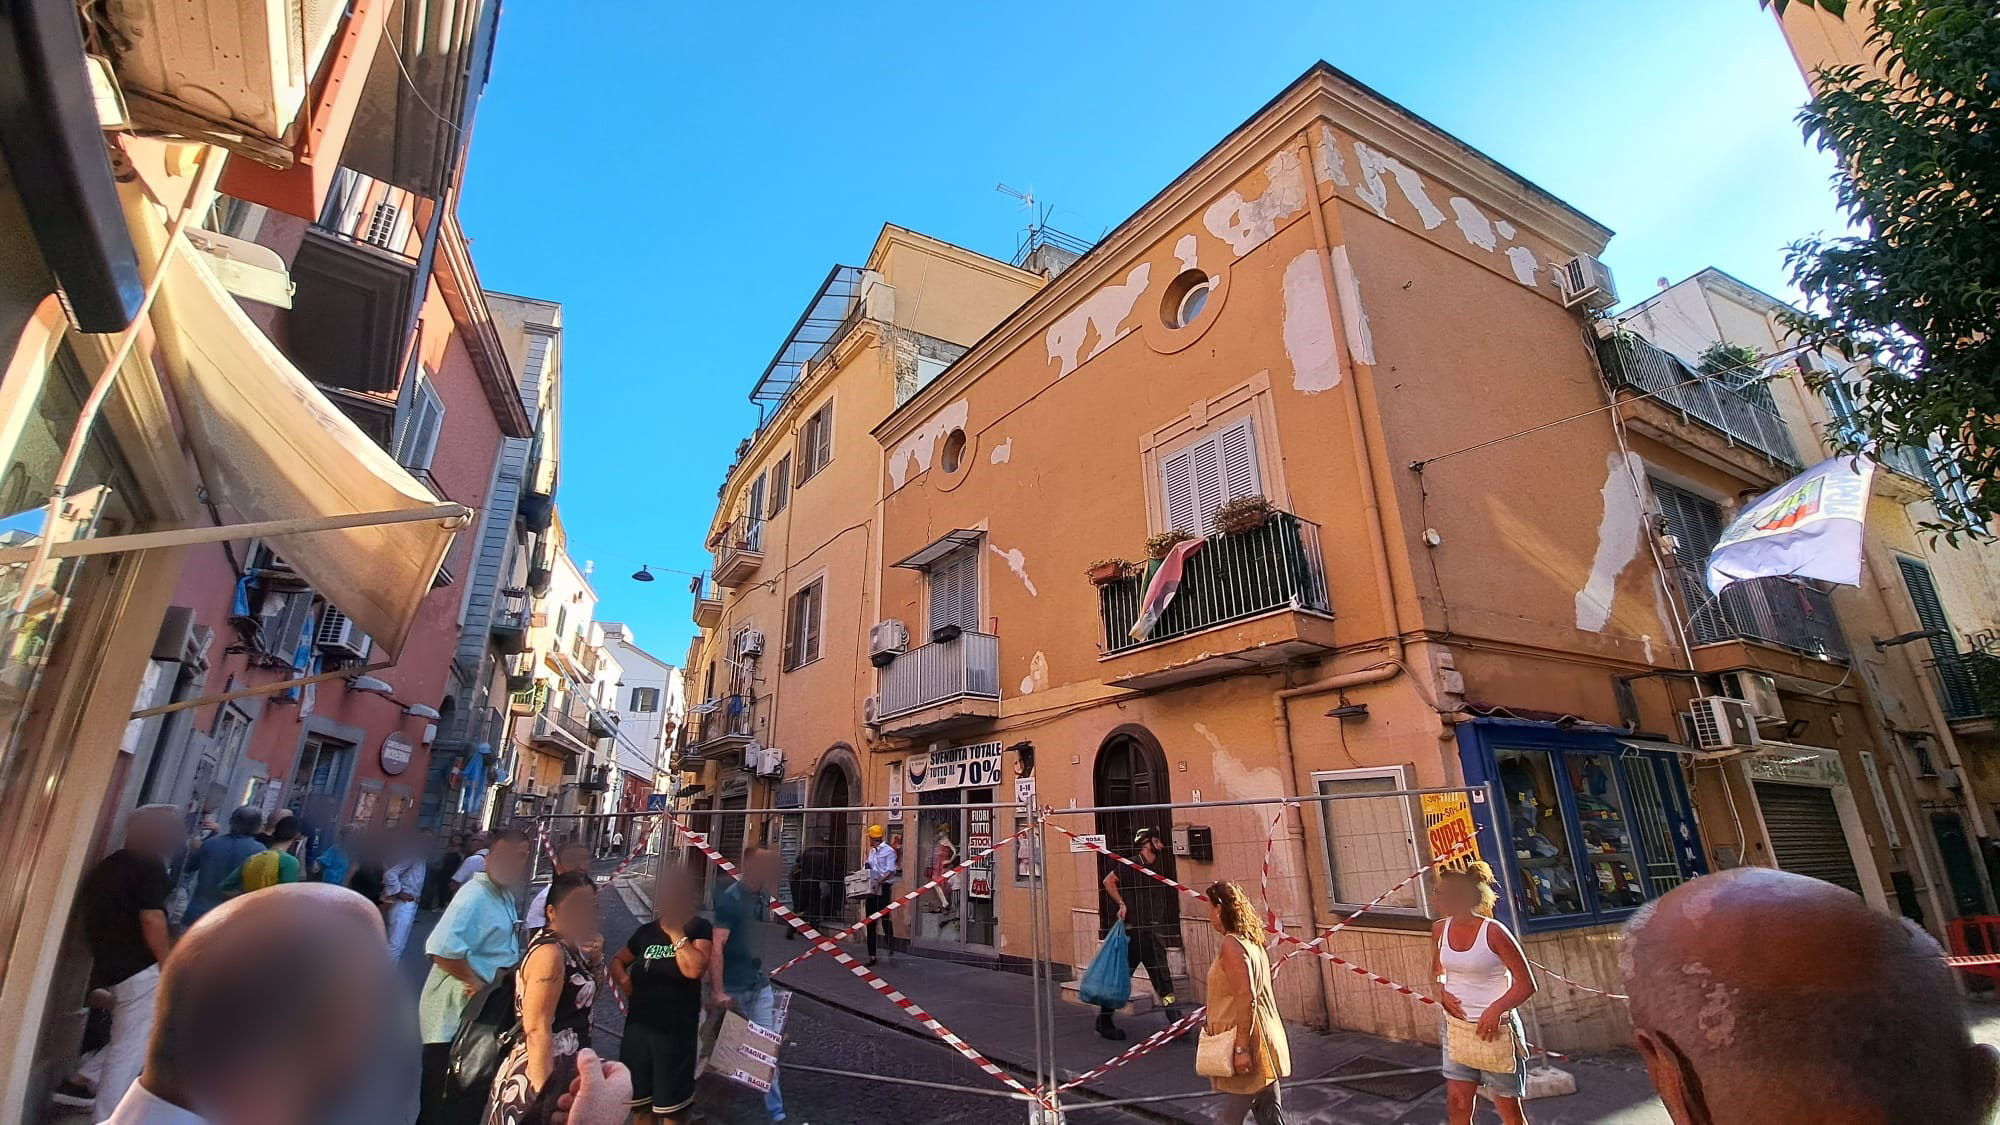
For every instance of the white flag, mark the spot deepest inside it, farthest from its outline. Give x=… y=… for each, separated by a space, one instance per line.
x=1808 y=527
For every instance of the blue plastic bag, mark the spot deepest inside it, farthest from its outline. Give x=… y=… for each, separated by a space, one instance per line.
x=1107 y=983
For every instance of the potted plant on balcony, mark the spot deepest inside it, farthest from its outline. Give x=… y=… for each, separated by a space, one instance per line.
x=1104 y=572
x=1158 y=546
x=1245 y=514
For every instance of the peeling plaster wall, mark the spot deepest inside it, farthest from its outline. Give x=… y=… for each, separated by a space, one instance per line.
x=913 y=453
x=1096 y=323
x=1308 y=326
x=1619 y=536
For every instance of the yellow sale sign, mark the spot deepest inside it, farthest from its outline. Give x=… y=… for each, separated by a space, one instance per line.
x=1448 y=822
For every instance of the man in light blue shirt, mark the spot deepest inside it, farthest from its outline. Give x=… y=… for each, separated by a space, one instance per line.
x=473 y=941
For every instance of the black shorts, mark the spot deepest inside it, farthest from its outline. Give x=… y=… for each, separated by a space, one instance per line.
x=662 y=1065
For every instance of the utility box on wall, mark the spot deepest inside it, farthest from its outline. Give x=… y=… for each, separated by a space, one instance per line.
x=1195 y=842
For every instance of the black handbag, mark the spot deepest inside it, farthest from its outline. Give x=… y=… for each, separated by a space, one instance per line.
x=487 y=1032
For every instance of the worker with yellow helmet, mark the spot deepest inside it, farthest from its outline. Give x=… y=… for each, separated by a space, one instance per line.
x=883 y=868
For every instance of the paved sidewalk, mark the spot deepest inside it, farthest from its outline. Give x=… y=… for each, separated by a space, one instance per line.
x=991 y=1011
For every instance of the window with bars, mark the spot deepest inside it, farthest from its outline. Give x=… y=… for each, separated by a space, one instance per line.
x=1696 y=524
x=815 y=443
x=781 y=484
x=802 y=624
x=954 y=592
x=382 y=225
x=422 y=422
x=1199 y=478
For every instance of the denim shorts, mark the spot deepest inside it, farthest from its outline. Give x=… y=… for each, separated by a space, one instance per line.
x=1503 y=1083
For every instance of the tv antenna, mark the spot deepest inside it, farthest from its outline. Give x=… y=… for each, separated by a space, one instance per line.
x=1037 y=218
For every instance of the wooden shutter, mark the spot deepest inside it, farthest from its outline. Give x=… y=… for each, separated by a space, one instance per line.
x=809 y=608
x=1954 y=679
x=954 y=592
x=1177 y=491
x=1208 y=474
x=824 y=450
x=781 y=484
x=792 y=615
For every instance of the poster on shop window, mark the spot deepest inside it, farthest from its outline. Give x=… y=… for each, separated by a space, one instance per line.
x=979 y=837
x=953 y=767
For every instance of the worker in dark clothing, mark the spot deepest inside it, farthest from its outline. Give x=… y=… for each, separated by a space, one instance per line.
x=1150 y=913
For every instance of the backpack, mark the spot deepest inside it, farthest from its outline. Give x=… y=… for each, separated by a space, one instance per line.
x=486 y=1033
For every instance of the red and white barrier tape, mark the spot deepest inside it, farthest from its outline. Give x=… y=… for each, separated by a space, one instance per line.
x=867 y=975
x=1315 y=944
x=638 y=849
x=1972 y=960
x=1548 y=972
x=1145 y=1046
x=1264 y=884
x=1304 y=945
x=906 y=898
x=542 y=838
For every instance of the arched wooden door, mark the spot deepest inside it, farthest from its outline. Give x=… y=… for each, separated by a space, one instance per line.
x=1131 y=770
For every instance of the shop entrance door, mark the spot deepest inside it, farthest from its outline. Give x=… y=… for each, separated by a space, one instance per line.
x=961 y=912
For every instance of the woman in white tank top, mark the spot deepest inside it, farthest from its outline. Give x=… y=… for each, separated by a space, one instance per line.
x=1482 y=978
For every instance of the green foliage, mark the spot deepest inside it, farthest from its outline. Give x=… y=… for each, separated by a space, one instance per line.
x=1733 y=362
x=1917 y=295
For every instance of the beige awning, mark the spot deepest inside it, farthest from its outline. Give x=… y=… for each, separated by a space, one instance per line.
x=271 y=447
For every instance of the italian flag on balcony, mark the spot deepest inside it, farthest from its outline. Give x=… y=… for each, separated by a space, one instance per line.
x=1808 y=527
x=1162 y=585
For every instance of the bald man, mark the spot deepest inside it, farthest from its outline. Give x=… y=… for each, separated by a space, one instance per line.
x=1757 y=989
x=267 y=1011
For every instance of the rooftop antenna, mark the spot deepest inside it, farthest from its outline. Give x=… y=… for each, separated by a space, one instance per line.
x=1038 y=219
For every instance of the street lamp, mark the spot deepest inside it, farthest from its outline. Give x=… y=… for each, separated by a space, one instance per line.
x=643 y=574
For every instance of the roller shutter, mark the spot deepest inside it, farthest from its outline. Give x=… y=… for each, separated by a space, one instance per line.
x=1806 y=836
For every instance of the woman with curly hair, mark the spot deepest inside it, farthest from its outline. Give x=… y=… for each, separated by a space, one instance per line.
x=1482 y=978
x=1240 y=1001
x=552 y=998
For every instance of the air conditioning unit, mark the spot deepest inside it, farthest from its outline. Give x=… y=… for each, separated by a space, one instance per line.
x=750 y=642
x=338 y=635
x=770 y=762
x=1759 y=692
x=238 y=66
x=886 y=641
x=1586 y=281
x=871 y=711
x=1719 y=723
x=283 y=623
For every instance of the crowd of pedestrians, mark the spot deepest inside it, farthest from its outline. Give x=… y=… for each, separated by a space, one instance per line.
x=238 y=977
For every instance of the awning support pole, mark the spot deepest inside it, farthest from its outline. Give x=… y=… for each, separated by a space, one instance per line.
x=261 y=689
x=186 y=536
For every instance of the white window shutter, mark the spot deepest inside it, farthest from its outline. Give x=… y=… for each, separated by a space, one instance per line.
x=1177 y=492
x=1209 y=494
x=1238 y=447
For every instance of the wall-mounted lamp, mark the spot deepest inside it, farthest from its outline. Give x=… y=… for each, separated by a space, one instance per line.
x=1796 y=729
x=370 y=683
x=1348 y=710
x=1883 y=644
x=422 y=711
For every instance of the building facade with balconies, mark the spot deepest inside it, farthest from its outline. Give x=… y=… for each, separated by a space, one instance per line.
x=1355 y=360
x=774 y=703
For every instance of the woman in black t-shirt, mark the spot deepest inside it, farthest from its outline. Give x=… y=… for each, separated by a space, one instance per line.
x=660 y=973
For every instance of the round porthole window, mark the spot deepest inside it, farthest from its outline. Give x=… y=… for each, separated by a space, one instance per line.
x=953 y=454
x=1186 y=297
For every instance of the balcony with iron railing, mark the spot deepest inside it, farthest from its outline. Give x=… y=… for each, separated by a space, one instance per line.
x=1250 y=598
x=739 y=551
x=721 y=723
x=1968 y=687
x=946 y=684
x=510 y=622
x=565 y=723
x=1667 y=395
x=1788 y=614
x=707 y=604
x=468 y=727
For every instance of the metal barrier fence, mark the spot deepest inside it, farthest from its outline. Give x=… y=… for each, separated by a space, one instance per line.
x=1339 y=880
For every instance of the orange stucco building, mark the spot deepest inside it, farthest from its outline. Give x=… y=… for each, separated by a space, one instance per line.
x=1477 y=568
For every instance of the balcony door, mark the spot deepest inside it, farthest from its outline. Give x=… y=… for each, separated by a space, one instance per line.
x=954 y=593
x=1199 y=478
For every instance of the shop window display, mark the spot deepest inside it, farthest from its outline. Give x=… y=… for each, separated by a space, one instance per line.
x=1539 y=836
x=1607 y=837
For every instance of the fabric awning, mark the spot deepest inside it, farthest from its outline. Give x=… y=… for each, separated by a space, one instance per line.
x=1658 y=745
x=271 y=447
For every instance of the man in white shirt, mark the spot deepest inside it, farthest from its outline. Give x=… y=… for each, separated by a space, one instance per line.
x=882 y=867
x=573 y=856
x=402 y=886
x=473 y=864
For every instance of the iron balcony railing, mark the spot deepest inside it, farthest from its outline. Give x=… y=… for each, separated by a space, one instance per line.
x=1233 y=576
x=1968 y=684
x=729 y=716
x=1740 y=410
x=1779 y=611
x=469 y=727
x=965 y=667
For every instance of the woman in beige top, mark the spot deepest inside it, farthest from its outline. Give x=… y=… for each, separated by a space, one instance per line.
x=1240 y=1000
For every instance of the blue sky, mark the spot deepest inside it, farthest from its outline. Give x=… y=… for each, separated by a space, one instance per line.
x=681 y=177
